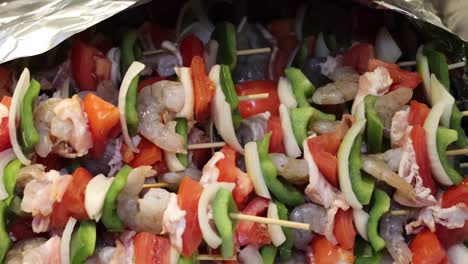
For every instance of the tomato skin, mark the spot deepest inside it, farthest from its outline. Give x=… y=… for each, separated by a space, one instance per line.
x=148 y=155
x=276 y=140
x=401 y=78
x=150 y=248
x=253 y=107
x=324 y=149
x=146 y=82
x=358 y=56
x=418 y=136
x=190 y=47
x=427 y=249
x=344 y=229
x=187 y=199
x=454 y=195
x=72 y=203
x=251 y=233
x=418 y=113
x=4 y=133
x=102 y=118
x=203 y=89
x=324 y=252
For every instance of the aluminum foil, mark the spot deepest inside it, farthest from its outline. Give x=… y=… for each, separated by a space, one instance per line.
x=29 y=28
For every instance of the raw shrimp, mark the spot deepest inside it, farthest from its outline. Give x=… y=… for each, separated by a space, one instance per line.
x=320 y=127
x=310 y=213
x=391 y=157
x=391 y=230
x=343 y=89
x=452 y=218
x=388 y=104
x=16 y=253
x=294 y=171
x=253 y=128
x=159 y=98
x=35 y=251
x=144 y=214
x=174 y=178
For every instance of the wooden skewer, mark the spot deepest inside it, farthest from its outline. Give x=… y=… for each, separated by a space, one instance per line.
x=156 y=185
x=264 y=220
x=407 y=63
x=253 y=96
x=398 y=212
x=239 y=52
x=464 y=113
x=153 y=52
x=463 y=165
x=206 y=145
x=214 y=257
x=457 y=152
x=450 y=66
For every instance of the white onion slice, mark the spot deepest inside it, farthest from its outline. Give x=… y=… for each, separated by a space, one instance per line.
x=285 y=93
x=185 y=76
x=275 y=231
x=134 y=69
x=95 y=194
x=422 y=66
x=206 y=198
x=290 y=143
x=14 y=115
x=174 y=255
x=252 y=164
x=250 y=255
x=5 y=157
x=458 y=254
x=172 y=162
x=439 y=94
x=321 y=49
x=360 y=222
x=343 y=163
x=386 y=48
x=221 y=113
x=65 y=243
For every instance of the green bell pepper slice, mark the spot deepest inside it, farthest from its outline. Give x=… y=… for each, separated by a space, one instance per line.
x=445 y=137
x=380 y=207
x=284 y=192
x=362 y=184
x=83 y=242
x=365 y=254
x=301 y=86
x=131 y=112
x=110 y=218
x=127 y=49
x=9 y=175
x=182 y=129
x=374 y=126
x=29 y=135
x=224 y=204
x=302 y=117
x=455 y=123
x=285 y=249
x=227 y=86
x=268 y=253
x=184 y=260
x=225 y=33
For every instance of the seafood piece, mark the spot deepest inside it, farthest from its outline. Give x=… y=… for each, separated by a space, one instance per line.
x=398 y=128
x=376 y=83
x=174 y=178
x=313 y=214
x=174 y=222
x=295 y=171
x=320 y=127
x=391 y=230
x=35 y=251
x=343 y=89
x=210 y=172
x=160 y=97
x=253 y=128
x=388 y=104
x=391 y=157
x=144 y=214
x=452 y=217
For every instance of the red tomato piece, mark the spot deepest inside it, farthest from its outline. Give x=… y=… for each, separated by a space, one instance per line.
x=146 y=82
x=72 y=203
x=276 y=140
x=324 y=252
x=253 y=107
x=150 y=248
x=427 y=249
x=358 y=56
x=418 y=113
x=203 y=89
x=102 y=118
x=4 y=133
x=190 y=47
x=400 y=77
x=160 y=167
x=418 y=136
x=251 y=233
x=324 y=149
x=148 y=155
x=344 y=229
x=187 y=199
x=21 y=228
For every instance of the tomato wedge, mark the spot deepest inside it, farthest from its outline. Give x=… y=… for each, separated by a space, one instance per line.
x=454 y=195
x=418 y=113
x=253 y=107
x=149 y=154
x=358 y=56
x=276 y=140
x=190 y=47
x=418 y=136
x=72 y=203
x=4 y=134
x=324 y=252
x=102 y=118
x=203 y=89
x=344 y=229
x=251 y=233
x=151 y=248
x=400 y=77
x=187 y=199
x=427 y=249
x=324 y=149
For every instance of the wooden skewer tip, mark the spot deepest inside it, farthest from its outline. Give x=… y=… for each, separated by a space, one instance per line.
x=156 y=185
x=253 y=96
x=206 y=145
x=215 y=257
x=264 y=220
x=253 y=51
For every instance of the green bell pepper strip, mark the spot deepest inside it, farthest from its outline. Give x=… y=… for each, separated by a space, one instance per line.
x=365 y=254
x=362 y=184
x=268 y=253
x=83 y=242
x=284 y=192
x=127 y=49
x=301 y=55
x=285 y=249
x=445 y=137
x=182 y=129
x=184 y=260
x=302 y=117
x=110 y=218
x=14 y=207
x=5 y=242
x=224 y=204
x=439 y=67
x=374 y=126
x=227 y=86
x=225 y=33
x=131 y=112
x=9 y=175
x=301 y=86
x=29 y=135
x=381 y=206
